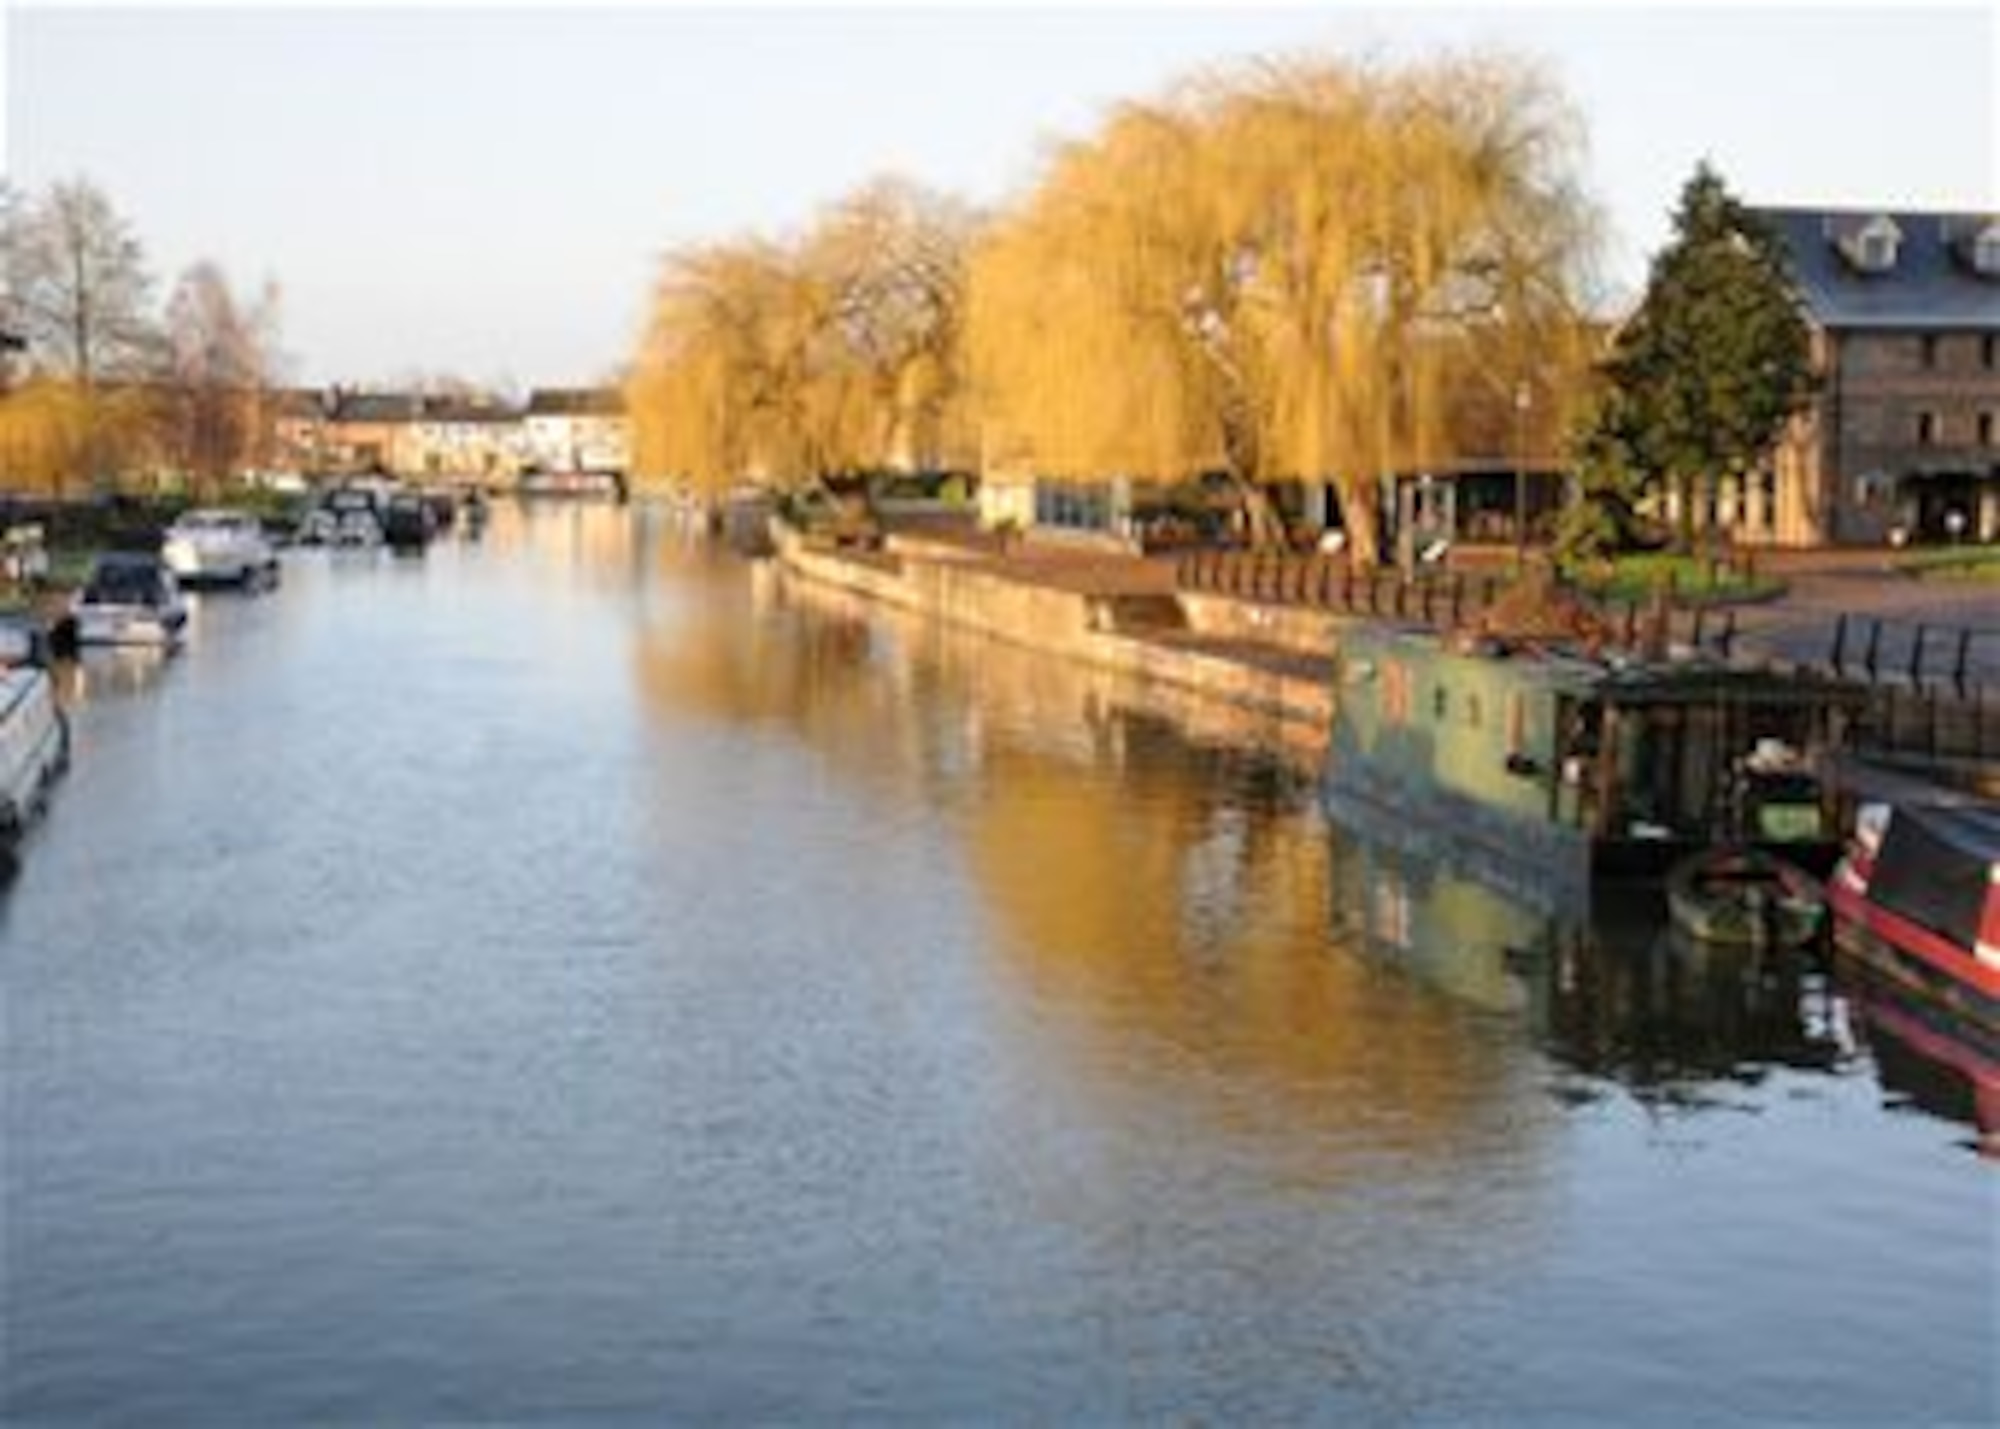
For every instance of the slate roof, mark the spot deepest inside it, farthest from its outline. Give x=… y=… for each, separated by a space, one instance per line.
x=375 y=407
x=576 y=402
x=1933 y=284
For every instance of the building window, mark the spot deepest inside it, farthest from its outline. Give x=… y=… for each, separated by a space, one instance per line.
x=1929 y=348
x=1989 y=352
x=1986 y=429
x=1926 y=429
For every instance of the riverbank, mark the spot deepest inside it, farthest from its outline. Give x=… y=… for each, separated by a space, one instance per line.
x=1109 y=612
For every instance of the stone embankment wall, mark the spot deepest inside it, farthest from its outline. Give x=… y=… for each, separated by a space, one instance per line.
x=1287 y=681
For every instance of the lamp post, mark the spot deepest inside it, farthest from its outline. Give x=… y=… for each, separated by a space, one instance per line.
x=1523 y=399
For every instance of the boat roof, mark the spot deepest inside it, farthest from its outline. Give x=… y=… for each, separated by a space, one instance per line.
x=1970 y=829
x=1617 y=675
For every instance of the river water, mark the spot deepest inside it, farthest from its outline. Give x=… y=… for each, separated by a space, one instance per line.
x=577 y=977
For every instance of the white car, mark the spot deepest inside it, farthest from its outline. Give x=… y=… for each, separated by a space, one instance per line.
x=219 y=546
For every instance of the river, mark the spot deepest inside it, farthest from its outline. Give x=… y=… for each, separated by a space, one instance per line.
x=577 y=976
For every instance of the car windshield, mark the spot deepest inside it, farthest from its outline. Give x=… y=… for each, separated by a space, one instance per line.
x=124 y=585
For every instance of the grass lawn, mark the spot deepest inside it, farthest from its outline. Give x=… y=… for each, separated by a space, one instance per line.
x=1953 y=563
x=1634 y=577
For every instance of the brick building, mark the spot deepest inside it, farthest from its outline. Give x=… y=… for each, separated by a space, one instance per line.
x=1903 y=439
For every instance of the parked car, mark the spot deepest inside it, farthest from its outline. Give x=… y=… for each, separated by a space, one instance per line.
x=131 y=598
x=219 y=546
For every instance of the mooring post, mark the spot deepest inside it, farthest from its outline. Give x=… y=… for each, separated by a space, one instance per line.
x=1874 y=647
x=1839 y=656
x=1700 y=617
x=1727 y=639
x=1917 y=658
x=1962 y=659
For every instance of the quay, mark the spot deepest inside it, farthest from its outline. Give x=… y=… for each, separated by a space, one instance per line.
x=1263 y=634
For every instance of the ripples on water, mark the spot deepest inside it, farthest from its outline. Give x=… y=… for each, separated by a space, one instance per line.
x=580 y=975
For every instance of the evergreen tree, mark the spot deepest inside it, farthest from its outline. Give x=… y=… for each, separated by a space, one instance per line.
x=1717 y=359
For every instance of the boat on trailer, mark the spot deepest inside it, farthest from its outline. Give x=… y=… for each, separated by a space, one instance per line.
x=1549 y=767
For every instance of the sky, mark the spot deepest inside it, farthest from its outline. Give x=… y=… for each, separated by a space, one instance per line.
x=485 y=191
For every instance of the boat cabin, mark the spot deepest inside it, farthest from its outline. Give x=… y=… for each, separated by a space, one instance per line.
x=1577 y=765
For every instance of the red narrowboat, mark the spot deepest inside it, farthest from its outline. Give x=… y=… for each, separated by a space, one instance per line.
x=1918 y=897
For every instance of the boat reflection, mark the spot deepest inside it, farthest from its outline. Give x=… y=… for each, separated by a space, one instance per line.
x=1609 y=990
x=109 y=674
x=1928 y=1059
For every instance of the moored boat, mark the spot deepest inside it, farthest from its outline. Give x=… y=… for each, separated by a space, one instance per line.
x=131 y=598
x=1917 y=898
x=1550 y=768
x=1744 y=897
x=34 y=747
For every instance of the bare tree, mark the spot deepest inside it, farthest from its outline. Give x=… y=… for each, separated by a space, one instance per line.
x=78 y=287
x=216 y=372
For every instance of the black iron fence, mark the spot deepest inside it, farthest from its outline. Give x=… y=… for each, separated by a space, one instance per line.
x=1934 y=689
x=1329 y=583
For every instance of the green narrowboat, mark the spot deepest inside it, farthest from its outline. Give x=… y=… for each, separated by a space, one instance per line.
x=1547 y=768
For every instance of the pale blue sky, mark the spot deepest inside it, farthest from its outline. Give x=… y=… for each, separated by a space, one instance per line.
x=484 y=191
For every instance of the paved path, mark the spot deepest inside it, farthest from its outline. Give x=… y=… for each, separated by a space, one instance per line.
x=1799 y=627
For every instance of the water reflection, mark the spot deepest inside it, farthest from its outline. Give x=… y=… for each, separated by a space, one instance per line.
x=1929 y=1060
x=105 y=675
x=1159 y=898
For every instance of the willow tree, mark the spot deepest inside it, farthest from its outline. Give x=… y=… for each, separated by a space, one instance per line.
x=787 y=361
x=717 y=391
x=892 y=258
x=1289 y=271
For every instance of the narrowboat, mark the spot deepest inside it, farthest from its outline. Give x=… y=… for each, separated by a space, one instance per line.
x=1548 y=768
x=1917 y=898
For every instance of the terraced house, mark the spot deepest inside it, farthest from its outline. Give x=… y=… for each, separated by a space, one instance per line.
x=1903 y=439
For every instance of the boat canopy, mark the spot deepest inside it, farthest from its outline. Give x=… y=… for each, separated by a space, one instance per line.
x=1936 y=867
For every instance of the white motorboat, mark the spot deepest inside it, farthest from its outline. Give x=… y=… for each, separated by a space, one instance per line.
x=34 y=747
x=214 y=545
x=131 y=599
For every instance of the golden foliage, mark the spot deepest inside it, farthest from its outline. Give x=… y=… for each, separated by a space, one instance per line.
x=1296 y=270
x=57 y=437
x=1312 y=269
x=784 y=362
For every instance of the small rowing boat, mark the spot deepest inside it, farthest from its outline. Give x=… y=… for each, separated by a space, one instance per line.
x=1744 y=897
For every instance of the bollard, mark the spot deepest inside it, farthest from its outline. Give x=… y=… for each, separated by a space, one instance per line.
x=1962 y=660
x=1838 y=659
x=1727 y=639
x=1917 y=659
x=1868 y=656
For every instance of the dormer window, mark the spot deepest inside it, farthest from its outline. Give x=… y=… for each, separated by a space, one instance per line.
x=1872 y=247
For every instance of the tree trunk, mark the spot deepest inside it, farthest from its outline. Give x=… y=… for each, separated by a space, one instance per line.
x=1267 y=525
x=1684 y=490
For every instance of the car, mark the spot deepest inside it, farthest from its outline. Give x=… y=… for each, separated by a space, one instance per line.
x=217 y=545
